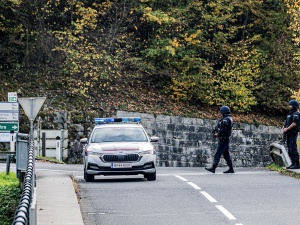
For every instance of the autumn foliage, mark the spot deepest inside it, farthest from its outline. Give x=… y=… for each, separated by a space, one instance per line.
x=161 y=56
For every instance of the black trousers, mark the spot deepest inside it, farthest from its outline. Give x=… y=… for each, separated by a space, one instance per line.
x=223 y=149
x=292 y=147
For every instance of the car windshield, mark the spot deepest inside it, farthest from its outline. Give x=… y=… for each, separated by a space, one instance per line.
x=119 y=134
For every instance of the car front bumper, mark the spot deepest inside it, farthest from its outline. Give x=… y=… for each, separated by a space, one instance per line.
x=95 y=166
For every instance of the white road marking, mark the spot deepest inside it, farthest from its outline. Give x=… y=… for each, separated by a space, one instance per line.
x=238 y=224
x=209 y=174
x=225 y=212
x=194 y=185
x=208 y=196
x=181 y=178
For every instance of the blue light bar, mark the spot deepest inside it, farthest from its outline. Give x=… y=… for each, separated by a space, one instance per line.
x=117 y=120
x=99 y=120
x=137 y=119
x=125 y=120
x=110 y=120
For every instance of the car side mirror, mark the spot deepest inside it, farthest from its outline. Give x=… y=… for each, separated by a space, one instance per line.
x=83 y=140
x=154 y=139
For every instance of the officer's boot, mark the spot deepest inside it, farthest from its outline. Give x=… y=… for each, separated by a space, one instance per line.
x=230 y=170
x=296 y=166
x=212 y=168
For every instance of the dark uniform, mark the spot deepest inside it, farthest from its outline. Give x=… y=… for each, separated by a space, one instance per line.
x=292 y=134
x=223 y=131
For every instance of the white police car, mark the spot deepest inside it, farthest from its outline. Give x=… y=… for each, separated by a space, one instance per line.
x=119 y=146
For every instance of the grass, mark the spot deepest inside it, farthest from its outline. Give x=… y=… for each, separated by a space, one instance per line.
x=10 y=179
x=283 y=171
x=48 y=159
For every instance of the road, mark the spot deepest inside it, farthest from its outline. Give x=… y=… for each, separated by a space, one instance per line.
x=187 y=196
x=192 y=196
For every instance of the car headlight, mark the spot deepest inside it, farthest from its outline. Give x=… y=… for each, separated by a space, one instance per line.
x=147 y=152
x=95 y=154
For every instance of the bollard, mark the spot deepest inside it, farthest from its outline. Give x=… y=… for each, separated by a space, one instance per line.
x=43 y=144
x=8 y=158
x=58 y=149
x=12 y=141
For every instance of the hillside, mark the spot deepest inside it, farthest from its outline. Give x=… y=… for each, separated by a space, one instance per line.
x=165 y=57
x=135 y=96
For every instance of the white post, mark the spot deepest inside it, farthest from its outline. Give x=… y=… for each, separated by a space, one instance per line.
x=58 y=149
x=33 y=209
x=12 y=141
x=38 y=137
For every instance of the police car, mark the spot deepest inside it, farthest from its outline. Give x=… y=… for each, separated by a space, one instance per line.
x=119 y=146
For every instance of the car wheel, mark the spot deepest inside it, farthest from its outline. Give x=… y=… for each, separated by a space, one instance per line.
x=151 y=176
x=88 y=177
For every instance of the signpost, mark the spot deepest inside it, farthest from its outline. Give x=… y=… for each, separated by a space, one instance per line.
x=8 y=126
x=6 y=137
x=9 y=118
x=12 y=97
x=7 y=106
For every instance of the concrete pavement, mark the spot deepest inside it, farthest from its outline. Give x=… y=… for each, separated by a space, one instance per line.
x=56 y=199
x=294 y=171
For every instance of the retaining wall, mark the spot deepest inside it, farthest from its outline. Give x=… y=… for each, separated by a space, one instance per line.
x=188 y=142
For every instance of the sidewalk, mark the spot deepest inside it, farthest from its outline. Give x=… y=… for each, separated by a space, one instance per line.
x=56 y=200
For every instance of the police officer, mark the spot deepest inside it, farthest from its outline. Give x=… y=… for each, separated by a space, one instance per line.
x=223 y=131
x=291 y=133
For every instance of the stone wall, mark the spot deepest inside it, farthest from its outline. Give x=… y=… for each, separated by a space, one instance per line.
x=188 y=142
x=184 y=142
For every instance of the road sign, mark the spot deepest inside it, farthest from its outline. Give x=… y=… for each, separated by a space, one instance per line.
x=32 y=106
x=5 y=137
x=9 y=116
x=8 y=126
x=12 y=97
x=9 y=106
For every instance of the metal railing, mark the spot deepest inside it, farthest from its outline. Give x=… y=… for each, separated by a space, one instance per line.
x=25 y=213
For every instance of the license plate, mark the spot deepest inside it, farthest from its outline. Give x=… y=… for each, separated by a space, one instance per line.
x=121 y=165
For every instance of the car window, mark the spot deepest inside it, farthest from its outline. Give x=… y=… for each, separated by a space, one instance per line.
x=119 y=134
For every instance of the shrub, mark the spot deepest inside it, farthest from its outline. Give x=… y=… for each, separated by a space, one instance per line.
x=10 y=192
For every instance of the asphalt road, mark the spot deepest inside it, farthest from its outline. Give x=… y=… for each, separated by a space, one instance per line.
x=187 y=196
x=192 y=196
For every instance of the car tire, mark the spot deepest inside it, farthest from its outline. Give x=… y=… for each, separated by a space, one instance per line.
x=151 y=176
x=88 y=177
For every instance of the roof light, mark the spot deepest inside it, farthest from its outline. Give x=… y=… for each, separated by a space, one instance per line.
x=110 y=120
x=137 y=119
x=117 y=120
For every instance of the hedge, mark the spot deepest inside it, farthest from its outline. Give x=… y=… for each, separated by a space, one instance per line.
x=10 y=193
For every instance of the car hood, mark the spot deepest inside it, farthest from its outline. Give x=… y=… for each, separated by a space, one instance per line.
x=120 y=146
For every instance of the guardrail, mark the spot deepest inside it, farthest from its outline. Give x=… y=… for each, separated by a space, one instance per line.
x=25 y=213
x=279 y=155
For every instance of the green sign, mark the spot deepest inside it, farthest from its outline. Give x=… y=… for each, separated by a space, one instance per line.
x=12 y=97
x=7 y=127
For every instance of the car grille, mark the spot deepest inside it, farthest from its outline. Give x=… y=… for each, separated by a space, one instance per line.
x=121 y=158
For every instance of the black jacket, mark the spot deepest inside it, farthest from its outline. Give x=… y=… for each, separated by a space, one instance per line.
x=225 y=126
